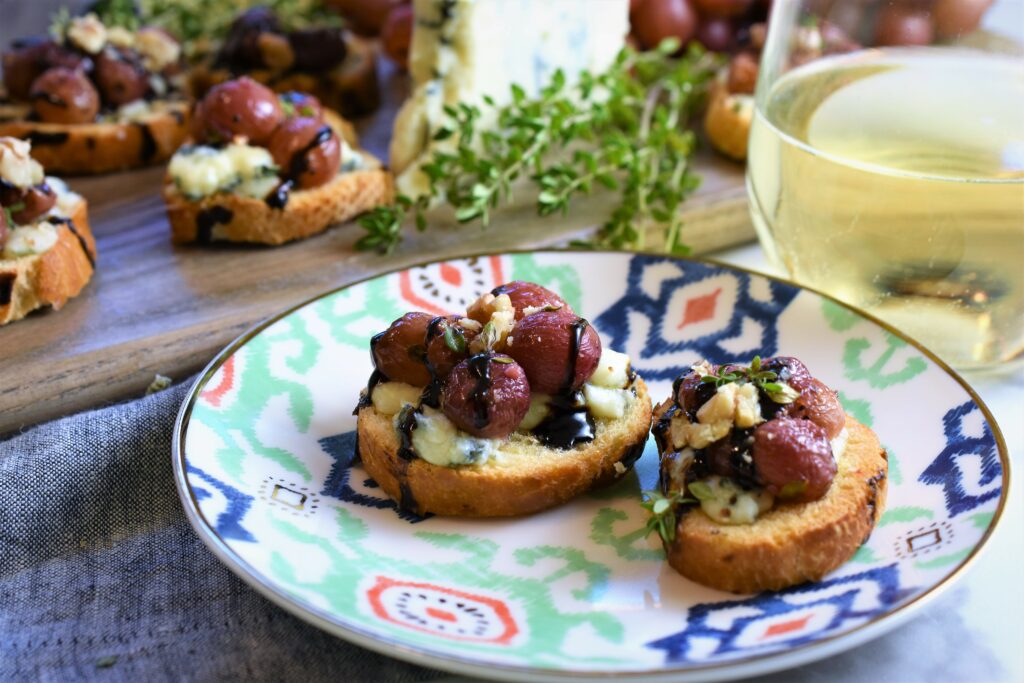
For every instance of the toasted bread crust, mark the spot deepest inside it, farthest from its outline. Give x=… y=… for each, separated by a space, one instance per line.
x=529 y=479
x=50 y=278
x=89 y=148
x=727 y=121
x=794 y=542
x=233 y=218
x=351 y=88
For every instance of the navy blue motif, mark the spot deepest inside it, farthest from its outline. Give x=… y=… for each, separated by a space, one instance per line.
x=229 y=522
x=342 y=447
x=614 y=322
x=945 y=471
x=841 y=594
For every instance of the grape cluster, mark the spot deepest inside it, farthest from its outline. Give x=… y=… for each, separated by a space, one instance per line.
x=485 y=391
x=290 y=126
x=790 y=453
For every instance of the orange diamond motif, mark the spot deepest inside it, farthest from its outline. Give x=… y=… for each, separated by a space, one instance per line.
x=786 y=627
x=699 y=308
x=451 y=275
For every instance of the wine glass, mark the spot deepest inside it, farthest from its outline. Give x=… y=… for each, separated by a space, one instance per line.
x=886 y=165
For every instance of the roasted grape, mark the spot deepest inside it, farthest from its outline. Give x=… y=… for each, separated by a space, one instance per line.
x=366 y=17
x=722 y=8
x=241 y=46
x=486 y=395
x=23 y=64
x=954 y=18
x=300 y=104
x=307 y=151
x=120 y=77
x=818 y=404
x=27 y=205
x=525 y=295
x=558 y=350
x=655 y=20
x=239 y=107
x=903 y=24
x=447 y=344
x=743 y=71
x=716 y=33
x=793 y=459
x=317 y=48
x=786 y=368
x=399 y=352
x=397 y=35
x=64 y=95
x=691 y=393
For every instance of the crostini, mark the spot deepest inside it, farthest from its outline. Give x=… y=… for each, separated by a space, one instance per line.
x=765 y=481
x=95 y=99
x=512 y=408
x=47 y=252
x=268 y=168
x=326 y=61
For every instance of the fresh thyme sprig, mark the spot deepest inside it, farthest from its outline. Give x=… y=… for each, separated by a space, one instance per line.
x=625 y=129
x=762 y=379
x=663 y=512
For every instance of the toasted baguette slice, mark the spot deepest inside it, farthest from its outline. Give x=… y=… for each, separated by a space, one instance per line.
x=52 y=277
x=351 y=88
x=727 y=120
x=234 y=218
x=792 y=542
x=89 y=148
x=527 y=478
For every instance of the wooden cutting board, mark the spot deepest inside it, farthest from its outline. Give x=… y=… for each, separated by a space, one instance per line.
x=156 y=308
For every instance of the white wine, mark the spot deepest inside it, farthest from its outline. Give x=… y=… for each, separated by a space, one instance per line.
x=894 y=180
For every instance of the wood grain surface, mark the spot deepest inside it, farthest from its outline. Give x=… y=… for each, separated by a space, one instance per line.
x=156 y=308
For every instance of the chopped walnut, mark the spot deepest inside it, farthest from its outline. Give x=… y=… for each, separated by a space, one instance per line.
x=17 y=166
x=494 y=333
x=158 y=49
x=88 y=33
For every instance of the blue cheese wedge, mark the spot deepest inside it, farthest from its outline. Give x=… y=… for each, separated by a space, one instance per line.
x=463 y=50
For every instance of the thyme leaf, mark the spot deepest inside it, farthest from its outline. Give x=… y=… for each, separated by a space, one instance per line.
x=627 y=129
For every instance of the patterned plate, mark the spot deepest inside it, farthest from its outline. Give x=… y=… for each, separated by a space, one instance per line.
x=264 y=464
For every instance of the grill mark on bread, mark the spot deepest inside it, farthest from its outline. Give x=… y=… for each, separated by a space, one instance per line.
x=209 y=218
x=872 y=500
x=40 y=138
x=147 y=145
x=6 y=287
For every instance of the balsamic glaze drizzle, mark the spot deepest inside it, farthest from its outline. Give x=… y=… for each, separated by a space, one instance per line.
x=81 y=240
x=569 y=422
x=480 y=369
x=278 y=197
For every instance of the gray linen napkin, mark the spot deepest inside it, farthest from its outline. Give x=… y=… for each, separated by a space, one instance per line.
x=101 y=576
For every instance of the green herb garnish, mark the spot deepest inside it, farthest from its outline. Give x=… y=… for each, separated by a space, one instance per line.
x=701 y=490
x=455 y=340
x=626 y=129
x=663 y=512
x=764 y=380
